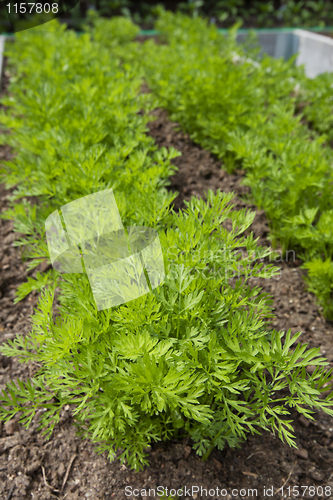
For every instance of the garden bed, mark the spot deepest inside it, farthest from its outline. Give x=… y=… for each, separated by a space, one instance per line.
x=66 y=466
x=38 y=467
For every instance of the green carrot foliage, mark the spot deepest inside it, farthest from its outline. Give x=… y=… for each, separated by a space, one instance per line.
x=195 y=356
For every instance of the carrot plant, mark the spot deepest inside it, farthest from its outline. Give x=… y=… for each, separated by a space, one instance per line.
x=246 y=110
x=314 y=97
x=196 y=355
x=77 y=129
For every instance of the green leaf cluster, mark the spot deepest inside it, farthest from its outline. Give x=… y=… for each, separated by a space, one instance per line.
x=246 y=110
x=195 y=356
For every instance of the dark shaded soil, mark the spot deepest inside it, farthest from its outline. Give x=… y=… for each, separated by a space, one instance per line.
x=326 y=33
x=33 y=468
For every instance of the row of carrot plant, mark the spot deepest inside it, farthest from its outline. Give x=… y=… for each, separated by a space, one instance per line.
x=196 y=355
x=258 y=114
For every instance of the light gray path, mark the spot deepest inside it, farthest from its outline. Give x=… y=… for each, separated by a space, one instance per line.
x=2 y=47
x=314 y=51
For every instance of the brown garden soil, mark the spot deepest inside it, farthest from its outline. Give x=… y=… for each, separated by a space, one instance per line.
x=326 y=33
x=67 y=467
